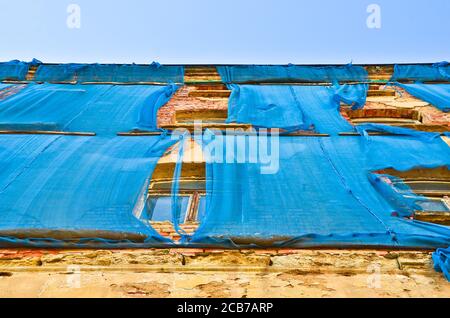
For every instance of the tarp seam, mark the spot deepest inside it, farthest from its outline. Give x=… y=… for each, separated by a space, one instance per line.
x=349 y=190
x=88 y=105
x=29 y=164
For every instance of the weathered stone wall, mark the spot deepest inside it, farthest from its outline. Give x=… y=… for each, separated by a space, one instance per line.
x=219 y=273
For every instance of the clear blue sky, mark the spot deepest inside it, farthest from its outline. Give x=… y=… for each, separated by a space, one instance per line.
x=225 y=31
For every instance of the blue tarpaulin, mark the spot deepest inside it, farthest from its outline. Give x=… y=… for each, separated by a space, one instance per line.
x=437 y=95
x=58 y=73
x=302 y=192
x=320 y=195
x=110 y=73
x=398 y=194
x=71 y=188
x=13 y=70
x=102 y=109
x=436 y=72
x=291 y=73
x=365 y=129
x=318 y=192
x=431 y=150
x=295 y=107
x=442 y=262
x=3 y=86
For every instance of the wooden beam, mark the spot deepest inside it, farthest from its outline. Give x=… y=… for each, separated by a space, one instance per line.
x=381 y=93
x=355 y=134
x=210 y=93
x=139 y=133
x=62 y=133
x=442 y=218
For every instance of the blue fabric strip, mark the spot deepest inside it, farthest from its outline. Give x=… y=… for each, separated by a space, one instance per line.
x=302 y=107
x=176 y=204
x=441 y=260
x=102 y=109
x=364 y=129
x=291 y=73
x=436 y=72
x=437 y=95
x=13 y=70
x=110 y=73
x=77 y=184
x=321 y=195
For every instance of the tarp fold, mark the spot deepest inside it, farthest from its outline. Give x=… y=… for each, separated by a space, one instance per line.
x=73 y=188
x=441 y=260
x=102 y=109
x=293 y=107
x=291 y=73
x=110 y=73
x=320 y=195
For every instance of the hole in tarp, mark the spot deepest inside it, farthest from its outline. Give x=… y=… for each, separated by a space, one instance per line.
x=191 y=194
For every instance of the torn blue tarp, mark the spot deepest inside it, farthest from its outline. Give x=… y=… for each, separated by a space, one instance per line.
x=314 y=192
x=291 y=73
x=102 y=109
x=293 y=107
x=365 y=129
x=405 y=149
x=14 y=70
x=435 y=72
x=175 y=200
x=58 y=72
x=441 y=260
x=71 y=188
x=437 y=95
x=261 y=191
x=398 y=194
x=110 y=73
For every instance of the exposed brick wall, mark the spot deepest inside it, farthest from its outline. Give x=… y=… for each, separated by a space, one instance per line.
x=166 y=229
x=182 y=101
x=401 y=101
x=404 y=103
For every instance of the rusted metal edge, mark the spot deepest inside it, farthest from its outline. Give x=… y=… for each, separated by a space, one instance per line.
x=128 y=83
x=296 y=83
x=89 y=83
x=39 y=132
x=355 y=134
x=137 y=134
